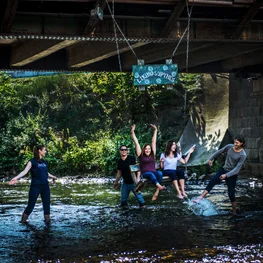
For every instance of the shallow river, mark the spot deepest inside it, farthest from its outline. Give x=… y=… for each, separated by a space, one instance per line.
x=89 y=226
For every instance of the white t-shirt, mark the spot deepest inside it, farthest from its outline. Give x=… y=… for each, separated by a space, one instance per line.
x=170 y=163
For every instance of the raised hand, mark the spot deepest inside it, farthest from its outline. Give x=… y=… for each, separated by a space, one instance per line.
x=192 y=149
x=153 y=126
x=133 y=128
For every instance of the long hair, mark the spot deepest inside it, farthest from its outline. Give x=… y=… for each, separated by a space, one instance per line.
x=143 y=150
x=169 y=147
x=36 y=151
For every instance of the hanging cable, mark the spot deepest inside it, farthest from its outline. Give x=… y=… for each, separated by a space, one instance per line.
x=189 y=12
x=113 y=18
x=178 y=43
x=187 y=29
x=117 y=43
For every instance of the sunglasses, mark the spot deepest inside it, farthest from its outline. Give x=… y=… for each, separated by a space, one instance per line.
x=124 y=149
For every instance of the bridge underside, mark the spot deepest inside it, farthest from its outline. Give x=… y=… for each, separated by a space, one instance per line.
x=107 y=35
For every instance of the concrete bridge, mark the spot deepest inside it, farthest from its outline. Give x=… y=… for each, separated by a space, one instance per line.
x=111 y=35
x=208 y=36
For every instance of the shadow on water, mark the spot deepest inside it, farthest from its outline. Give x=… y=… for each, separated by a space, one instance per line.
x=89 y=226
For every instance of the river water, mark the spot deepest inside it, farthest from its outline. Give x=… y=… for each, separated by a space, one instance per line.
x=89 y=226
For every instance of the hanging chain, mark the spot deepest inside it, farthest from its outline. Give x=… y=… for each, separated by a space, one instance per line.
x=115 y=22
x=117 y=43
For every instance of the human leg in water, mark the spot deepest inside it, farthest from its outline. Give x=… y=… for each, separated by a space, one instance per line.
x=215 y=180
x=47 y=219
x=24 y=218
x=231 y=185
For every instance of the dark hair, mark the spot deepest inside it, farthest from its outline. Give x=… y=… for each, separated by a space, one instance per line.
x=168 y=148
x=143 y=149
x=36 y=151
x=241 y=139
x=122 y=146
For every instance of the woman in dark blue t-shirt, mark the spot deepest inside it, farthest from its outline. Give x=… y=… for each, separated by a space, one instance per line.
x=39 y=183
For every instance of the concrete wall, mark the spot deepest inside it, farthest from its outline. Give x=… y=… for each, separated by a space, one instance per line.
x=209 y=120
x=246 y=116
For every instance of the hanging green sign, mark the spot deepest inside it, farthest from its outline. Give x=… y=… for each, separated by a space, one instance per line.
x=162 y=74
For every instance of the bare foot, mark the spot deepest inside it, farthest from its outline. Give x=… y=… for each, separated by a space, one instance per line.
x=184 y=194
x=198 y=199
x=160 y=187
x=155 y=196
x=180 y=197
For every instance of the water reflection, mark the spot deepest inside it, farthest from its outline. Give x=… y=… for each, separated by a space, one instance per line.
x=89 y=226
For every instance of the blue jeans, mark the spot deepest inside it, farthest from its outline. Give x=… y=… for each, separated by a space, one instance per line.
x=230 y=182
x=125 y=191
x=35 y=190
x=154 y=177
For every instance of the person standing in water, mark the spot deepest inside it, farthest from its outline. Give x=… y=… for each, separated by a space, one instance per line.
x=169 y=159
x=235 y=158
x=147 y=157
x=123 y=170
x=39 y=183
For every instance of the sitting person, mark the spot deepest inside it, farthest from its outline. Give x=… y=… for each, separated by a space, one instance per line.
x=147 y=157
x=168 y=162
x=123 y=170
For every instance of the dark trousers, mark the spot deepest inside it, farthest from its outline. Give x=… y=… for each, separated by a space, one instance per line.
x=230 y=181
x=33 y=194
x=174 y=174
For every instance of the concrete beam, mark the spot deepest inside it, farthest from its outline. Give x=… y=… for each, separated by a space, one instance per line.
x=159 y=52
x=8 y=16
x=179 y=8
x=253 y=57
x=212 y=54
x=252 y=11
x=90 y=52
x=31 y=50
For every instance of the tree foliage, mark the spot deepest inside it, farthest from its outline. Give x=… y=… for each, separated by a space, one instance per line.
x=84 y=118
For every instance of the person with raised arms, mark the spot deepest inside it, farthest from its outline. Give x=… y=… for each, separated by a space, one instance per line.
x=147 y=158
